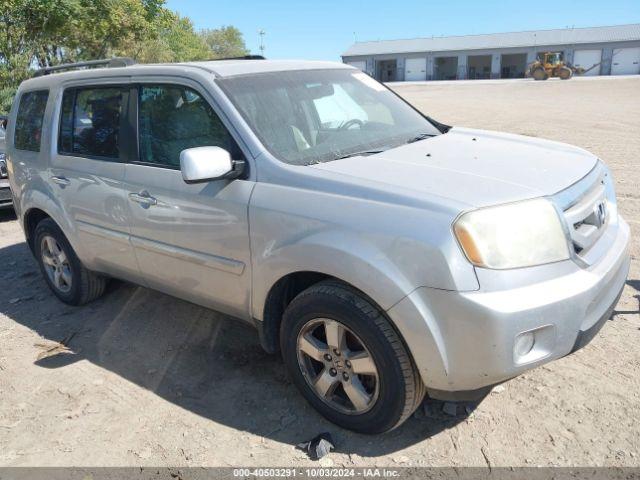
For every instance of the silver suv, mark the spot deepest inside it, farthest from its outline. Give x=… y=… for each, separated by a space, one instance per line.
x=384 y=254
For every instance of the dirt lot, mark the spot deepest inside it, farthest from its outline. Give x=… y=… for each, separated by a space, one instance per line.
x=156 y=381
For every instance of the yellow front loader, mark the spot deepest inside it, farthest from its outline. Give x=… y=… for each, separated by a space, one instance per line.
x=550 y=64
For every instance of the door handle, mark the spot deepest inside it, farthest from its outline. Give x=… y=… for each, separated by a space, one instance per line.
x=143 y=198
x=62 y=181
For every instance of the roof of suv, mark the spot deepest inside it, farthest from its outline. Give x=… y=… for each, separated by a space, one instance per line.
x=228 y=68
x=219 y=68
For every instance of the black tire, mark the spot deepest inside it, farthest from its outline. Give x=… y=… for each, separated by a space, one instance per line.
x=539 y=74
x=565 y=73
x=85 y=286
x=400 y=387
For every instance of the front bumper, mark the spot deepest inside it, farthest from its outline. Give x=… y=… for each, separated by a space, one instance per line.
x=463 y=342
x=5 y=193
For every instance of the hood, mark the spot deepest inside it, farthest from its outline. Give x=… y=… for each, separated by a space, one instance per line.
x=474 y=167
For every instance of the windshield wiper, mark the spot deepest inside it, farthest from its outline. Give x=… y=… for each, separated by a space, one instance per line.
x=360 y=154
x=420 y=136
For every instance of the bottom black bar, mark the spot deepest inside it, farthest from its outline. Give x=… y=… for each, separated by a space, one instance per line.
x=312 y=472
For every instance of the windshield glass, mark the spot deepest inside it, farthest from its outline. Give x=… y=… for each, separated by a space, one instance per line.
x=312 y=116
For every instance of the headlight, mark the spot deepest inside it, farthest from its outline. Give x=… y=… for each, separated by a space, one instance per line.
x=515 y=235
x=3 y=166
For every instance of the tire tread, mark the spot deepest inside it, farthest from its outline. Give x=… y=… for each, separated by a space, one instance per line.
x=414 y=387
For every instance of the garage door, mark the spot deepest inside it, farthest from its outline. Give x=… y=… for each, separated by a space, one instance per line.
x=415 y=69
x=361 y=65
x=625 y=61
x=587 y=59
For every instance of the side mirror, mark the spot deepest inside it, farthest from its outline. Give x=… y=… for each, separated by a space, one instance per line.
x=203 y=164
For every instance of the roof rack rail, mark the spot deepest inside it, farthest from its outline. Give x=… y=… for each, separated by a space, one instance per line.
x=243 y=57
x=114 y=62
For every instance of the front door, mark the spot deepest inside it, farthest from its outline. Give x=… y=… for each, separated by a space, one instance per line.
x=191 y=240
x=86 y=174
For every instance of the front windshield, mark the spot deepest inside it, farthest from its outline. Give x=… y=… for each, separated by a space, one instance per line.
x=554 y=58
x=311 y=116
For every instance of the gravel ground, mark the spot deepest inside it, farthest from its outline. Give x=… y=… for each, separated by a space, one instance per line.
x=151 y=380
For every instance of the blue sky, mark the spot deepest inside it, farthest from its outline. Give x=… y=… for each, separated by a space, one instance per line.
x=322 y=30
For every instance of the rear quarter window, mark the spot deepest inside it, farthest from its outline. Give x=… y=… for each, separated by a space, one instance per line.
x=28 y=131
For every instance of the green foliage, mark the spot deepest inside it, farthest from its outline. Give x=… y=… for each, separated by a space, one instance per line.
x=6 y=98
x=225 y=42
x=41 y=33
x=173 y=39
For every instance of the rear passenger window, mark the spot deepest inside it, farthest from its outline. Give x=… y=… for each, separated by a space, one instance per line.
x=28 y=131
x=173 y=118
x=90 y=122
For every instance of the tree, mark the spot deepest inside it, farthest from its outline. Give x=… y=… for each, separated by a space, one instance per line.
x=48 y=32
x=225 y=42
x=42 y=33
x=173 y=40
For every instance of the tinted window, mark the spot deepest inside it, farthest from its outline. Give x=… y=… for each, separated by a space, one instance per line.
x=29 y=120
x=173 y=118
x=90 y=122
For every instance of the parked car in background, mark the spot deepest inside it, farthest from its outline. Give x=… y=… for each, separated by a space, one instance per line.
x=5 y=191
x=383 y=254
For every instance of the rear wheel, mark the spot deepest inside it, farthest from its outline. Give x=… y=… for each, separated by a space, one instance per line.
x=69 y=280
x=565 y=73
x=347 y=360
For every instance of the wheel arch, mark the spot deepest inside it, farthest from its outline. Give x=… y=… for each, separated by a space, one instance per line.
x=31 y=219
x=278 y=298
x=36 y=206
x=284 y=290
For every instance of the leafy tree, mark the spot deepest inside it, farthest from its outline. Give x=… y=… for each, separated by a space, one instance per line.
x=173 y=40
x=225 y=42
x=48 y=32
x=42 y=33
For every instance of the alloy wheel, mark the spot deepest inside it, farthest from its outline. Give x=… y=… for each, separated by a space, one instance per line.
x=337 y=366
x=56 y=264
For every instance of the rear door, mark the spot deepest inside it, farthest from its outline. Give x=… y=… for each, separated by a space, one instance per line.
x=191 y=240
x=87 y=171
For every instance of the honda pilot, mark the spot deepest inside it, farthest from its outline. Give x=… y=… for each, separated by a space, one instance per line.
x=385 y=255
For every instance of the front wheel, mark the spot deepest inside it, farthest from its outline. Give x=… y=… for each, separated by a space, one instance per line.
x=539 y=74
x=347 y=360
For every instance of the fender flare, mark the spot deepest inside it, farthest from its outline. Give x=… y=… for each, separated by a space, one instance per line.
x=346 y=257
x=35 y=199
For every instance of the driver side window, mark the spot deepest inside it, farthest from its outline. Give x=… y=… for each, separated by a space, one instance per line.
x=172 y=118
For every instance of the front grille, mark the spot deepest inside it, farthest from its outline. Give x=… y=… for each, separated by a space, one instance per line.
x=587 y=217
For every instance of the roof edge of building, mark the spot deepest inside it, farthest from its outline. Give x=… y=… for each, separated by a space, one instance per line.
x=347 y=53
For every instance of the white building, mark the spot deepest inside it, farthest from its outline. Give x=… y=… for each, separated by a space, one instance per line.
x=611 y=50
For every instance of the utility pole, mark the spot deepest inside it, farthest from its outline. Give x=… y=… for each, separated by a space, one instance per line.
x=262 y=33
